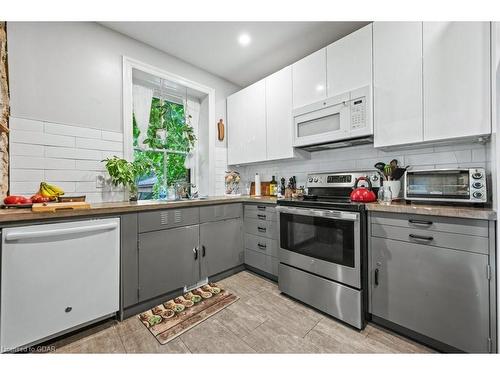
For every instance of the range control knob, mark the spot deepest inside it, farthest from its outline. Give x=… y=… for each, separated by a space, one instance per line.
x=315 y=179
x=310 y=179
x=477 y=175
x=477 y=195
x=477 y=185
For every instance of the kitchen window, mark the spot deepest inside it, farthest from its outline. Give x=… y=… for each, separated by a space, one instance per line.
x=166 y=143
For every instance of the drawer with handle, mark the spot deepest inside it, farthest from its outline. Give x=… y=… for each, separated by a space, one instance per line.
x=252 y=212
x=261 y=228
x=262 y=208
x=435 y=223
x=261 y=262
x=475 y=244
x=261 y=244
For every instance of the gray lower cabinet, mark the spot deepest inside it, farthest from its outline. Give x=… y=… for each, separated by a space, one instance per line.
x=440 y=292
x=129 y=274
x=167 y=260
x=261 y=238
x=220 y=246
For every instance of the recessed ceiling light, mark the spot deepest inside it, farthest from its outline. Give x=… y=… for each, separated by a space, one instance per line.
x=244 y=39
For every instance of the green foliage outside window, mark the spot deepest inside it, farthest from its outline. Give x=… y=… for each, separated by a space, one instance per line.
x=170 y=117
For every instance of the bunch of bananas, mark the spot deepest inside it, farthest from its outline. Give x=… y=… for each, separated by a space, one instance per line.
x=50 y=191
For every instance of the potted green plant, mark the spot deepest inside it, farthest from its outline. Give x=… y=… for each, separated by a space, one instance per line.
x=123 y=172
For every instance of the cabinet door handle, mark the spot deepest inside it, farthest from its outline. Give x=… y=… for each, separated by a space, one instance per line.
x=420 y=222
x=195 y=251
x=261 y=208
x=203 y=251
x=418 y=237
x=376 y=276
x=261 y=229
x=262 y=217
x=261 y=246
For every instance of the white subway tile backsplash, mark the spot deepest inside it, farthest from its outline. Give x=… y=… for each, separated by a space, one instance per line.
x=479 y=155
x=26 y=188
x=16 y=123
x=72 y=153
x=95 y=144
x=71 y=130
x=20 y=175
x=37 y=138
x=28 y=162
x=90 y=165
x=25 y=149
x=65 y=155
x=59 y=175
x=364 y=157
x=86 y=187
x=112 y=136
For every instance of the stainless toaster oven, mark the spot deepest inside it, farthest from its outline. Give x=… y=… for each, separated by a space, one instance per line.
x=466 y=185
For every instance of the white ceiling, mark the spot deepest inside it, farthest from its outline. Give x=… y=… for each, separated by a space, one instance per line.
x=213 y=46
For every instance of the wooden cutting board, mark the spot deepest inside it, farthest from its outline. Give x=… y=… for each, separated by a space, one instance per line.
x=53 y=207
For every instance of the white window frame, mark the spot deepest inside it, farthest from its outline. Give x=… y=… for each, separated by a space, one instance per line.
x=128 y=147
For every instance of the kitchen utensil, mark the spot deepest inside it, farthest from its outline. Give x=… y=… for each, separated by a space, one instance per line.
x=362 y=193
x=74 y=198
x=387 y=171
x=398 y=173
x=380 y=166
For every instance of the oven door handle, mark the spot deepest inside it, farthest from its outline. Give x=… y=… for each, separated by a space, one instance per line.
x=327 y=214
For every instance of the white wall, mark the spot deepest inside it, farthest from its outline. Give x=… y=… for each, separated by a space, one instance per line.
x=71 y=74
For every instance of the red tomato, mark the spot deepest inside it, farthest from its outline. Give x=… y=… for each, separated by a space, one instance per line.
x=39 y=198
x=16 y=199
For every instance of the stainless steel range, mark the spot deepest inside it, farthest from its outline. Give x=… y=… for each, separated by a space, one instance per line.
x=323 y=243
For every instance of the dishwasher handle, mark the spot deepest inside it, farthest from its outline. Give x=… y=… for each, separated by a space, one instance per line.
x=28 y=234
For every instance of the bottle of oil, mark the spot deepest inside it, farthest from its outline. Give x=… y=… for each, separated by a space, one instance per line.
x=273 y=188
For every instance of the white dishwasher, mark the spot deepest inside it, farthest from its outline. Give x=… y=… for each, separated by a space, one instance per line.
x=56 y=277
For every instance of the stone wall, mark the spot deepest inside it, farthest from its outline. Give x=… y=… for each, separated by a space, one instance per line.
x=4 y=113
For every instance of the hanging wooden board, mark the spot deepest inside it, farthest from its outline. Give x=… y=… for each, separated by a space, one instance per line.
x=220 y=130
x=53 y=207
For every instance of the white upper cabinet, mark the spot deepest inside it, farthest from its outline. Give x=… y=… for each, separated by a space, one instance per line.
x=279 y=114
x=309 y=79
x=397 y=83
x=456 y=83
x=246 y=119
x=349 y=62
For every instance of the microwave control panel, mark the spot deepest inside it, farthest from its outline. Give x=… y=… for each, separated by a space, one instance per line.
x=358 y=113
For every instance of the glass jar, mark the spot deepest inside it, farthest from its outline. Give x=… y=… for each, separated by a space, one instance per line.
x=385 y=195
x=232 y=183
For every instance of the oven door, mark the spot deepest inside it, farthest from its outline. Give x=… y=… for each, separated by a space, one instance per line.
x=323 y=242
x=322 y=122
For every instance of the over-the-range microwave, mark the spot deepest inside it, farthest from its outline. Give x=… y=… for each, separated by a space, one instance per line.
x=465 y=185
x=341 y=117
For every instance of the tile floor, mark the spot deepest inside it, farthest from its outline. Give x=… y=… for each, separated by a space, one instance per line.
x=262 y=321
